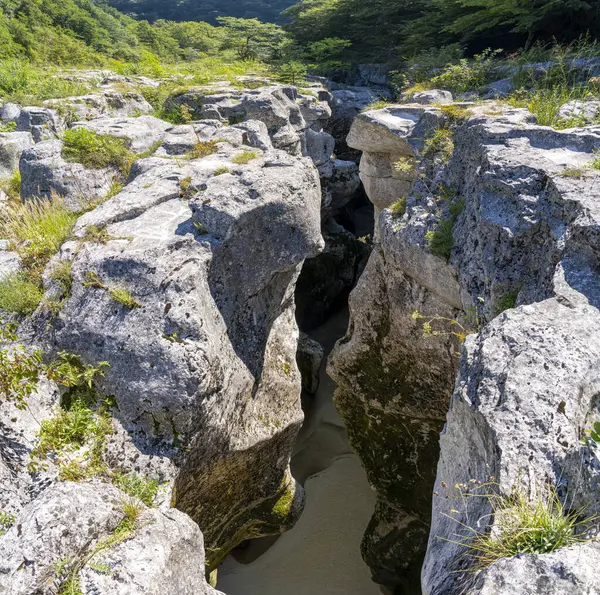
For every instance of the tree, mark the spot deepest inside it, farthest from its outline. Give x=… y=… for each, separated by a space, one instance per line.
x=252 y=39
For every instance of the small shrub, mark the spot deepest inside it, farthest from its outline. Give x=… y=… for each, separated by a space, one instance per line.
x=203 y=149
x=440 y=143
x=220 y=171
x=97 y=151
x=399 y=207
x=143 y=488
x=508 y=302
x=292 y=73
x=184 y=187
x=405 y=165
x=573 y=172
x=455 y=113
x=8 y=127
x=245 y=157
x=466 y=76
x=19 y=374
x=19 y=294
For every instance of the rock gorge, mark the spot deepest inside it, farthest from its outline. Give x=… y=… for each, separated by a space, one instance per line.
x=473 y=313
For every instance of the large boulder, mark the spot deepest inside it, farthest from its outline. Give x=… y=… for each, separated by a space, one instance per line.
x=201 y=336
x=45 y=172
x=12 y=144
x=511 y=219
x=70 y=535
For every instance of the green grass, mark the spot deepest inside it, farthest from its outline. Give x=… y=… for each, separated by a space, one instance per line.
x=522 y=525
x=203 y=149
x=12 y=186
x=6 y=521
x=143 y=488
x=440 y=143
x=220 y=171
x=120 y=295
x=36 y=230
x=399 y=207
x=379 y=104
x=97 y=151
x=95 y=234
x=244 y=157
x=441 y=239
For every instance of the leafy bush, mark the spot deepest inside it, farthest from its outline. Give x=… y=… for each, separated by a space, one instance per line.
x=466 y=76
x=19 y=374
x=97 y=151
x=203 y=149
x=293 y=72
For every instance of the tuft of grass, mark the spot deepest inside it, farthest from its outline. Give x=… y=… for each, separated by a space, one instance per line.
x=97 y=151
x=441 y=239
x=220 y=171
x=244 y=157
x=379 y=104
x=522 y=525
x=573 y=172
x=118 y=294
x=184 y=187
x=137 y=486
x=61 y=273
x=455 y=113
x=203 y=149
x=440 y=143
x=95 y=234
x=12 y=186
x=399 y=207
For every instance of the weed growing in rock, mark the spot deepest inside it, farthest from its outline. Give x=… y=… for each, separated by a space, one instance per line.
x=8 y=126
x=137 y=486
x=442 y=326
x=184 y=188
x=379 y=104
x=97 y=151
x=6 y=521
x=522 y=524
x=220 y=171
x=95 y=234
x=573 y=172
x=405 y=165
x=244 y=157
x=203 y=149
x=61 y=273
x=201 y=228
x=440 y=143
x=12 y=186
x=455 y=114
x=441 y=239
x=118 y=294
x=399 y=207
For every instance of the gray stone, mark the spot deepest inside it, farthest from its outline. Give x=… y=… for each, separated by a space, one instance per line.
x=12 y=144
x=582 y=111
x=67 y=525
x=43 y=123
x=432 y=97
x=44 y=172
x=309 y=358
x=143 y=132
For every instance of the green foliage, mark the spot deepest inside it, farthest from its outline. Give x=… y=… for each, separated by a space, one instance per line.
x=251 y=39
x=12 y=186
x=221 y=170
x=19 y=294
x=120 y=295
x=245 y=157
x=143 y=488
x=466 y=75
x=97 y=150
x=440 y=143
x=379 y=104
x=203 y=149
x=292 y=72
x=399 y=207
x=19 y=374
x=441 y=239
x=95 y=234
x=540 y=524
x=6 y=521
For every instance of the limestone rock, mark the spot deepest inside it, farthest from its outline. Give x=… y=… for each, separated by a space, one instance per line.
x=99 y=105
x=431 y=97
x=531 y=377
x=43 y=123
x=309 y=357
x=67 y=525
x=585 y=111
x=143 y=132
x=44 y=171
x=12 y=144
x=203 y=369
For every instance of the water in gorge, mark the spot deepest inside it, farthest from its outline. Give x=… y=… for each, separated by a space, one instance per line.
x=321 y=553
